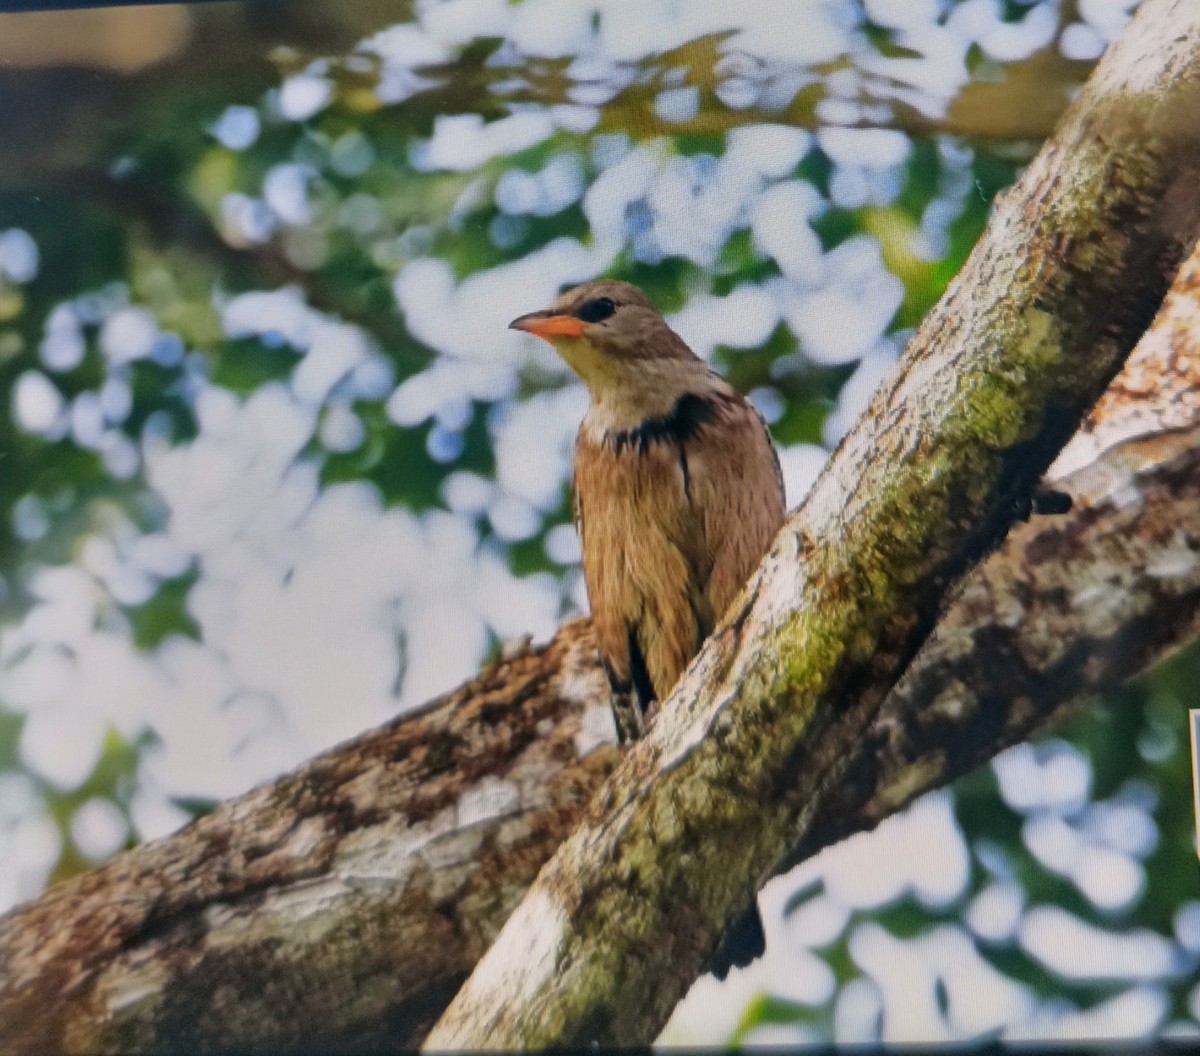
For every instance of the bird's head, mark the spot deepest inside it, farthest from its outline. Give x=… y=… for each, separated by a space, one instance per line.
x=607 y=331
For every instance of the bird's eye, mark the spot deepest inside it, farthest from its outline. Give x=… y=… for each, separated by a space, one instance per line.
x=596 y=310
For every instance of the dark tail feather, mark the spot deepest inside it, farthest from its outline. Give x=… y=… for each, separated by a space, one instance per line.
x=638 y=671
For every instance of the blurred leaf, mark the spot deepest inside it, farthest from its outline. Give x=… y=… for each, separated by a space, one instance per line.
x=164 y=614
x=244 y=365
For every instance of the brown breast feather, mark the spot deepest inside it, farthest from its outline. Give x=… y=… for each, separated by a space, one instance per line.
x=673 y=516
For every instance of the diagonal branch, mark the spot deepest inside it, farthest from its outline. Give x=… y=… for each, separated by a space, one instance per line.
x=754 y=739
x=1069 y=606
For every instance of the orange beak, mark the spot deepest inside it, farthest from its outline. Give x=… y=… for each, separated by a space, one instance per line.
x=548 y=326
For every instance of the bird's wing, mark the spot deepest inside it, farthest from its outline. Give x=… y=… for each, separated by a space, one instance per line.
x=736 y=488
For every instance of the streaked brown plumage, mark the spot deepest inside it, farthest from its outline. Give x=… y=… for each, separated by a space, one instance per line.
x=678 y=489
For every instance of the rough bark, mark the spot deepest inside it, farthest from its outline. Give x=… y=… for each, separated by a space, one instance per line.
x=347 y=899
x=752 y=741
x=1070 y=605
x=393 y=860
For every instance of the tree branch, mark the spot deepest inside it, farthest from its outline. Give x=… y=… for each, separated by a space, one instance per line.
x=1070 y=606
x=391 y=860
x=754 y=738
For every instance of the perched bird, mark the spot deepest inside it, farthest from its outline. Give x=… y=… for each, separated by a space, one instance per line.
x=678 y=491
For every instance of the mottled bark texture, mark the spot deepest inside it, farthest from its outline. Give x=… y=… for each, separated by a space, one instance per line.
x=1070 y=605
x=342 y=905
x=753 y=741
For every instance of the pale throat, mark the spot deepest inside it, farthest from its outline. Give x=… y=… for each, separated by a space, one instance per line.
x=625 y=393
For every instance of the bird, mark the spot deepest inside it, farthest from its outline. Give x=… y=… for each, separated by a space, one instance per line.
x=678 y=489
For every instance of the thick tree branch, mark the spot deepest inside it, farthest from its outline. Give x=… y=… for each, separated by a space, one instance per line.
x=1070 y=605
x=391 y=861
x=753 y=739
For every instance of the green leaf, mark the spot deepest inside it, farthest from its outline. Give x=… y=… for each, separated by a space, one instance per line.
x=164 y=614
